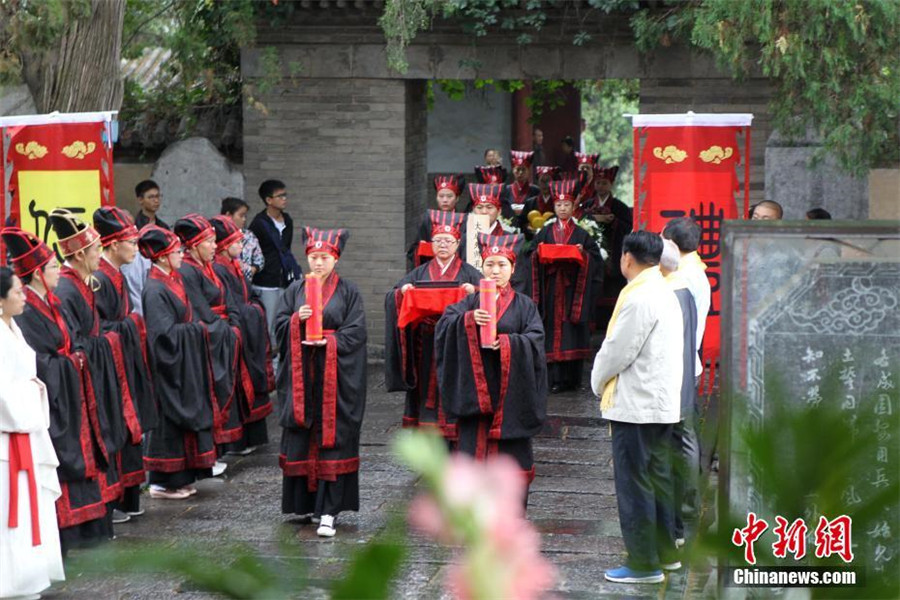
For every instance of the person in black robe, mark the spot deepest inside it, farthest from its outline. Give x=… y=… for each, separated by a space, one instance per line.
x=543 y=203
x=255 y=348
x=321 y=388
x=447 y=191
x=615 y=220
x=497 y=395
x=568 y=165
x=585 y=193
x=213 y=305
x=564 y=289
x=409 y=350
x=74 y=424
x=112 y=298
x=519 y=197
x=180 y=449
x=487 y=200
x=80 y=245
x=490 y=174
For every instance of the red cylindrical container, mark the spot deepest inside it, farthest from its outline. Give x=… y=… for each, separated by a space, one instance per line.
x=488 y=301
x=314 y=299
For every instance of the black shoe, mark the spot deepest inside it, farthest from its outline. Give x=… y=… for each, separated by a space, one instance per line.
x=555 y=388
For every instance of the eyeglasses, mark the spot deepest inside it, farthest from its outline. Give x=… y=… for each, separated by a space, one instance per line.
x=281 y=195
x=444 y=242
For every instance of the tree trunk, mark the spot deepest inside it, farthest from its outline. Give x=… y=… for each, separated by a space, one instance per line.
x=82 y=72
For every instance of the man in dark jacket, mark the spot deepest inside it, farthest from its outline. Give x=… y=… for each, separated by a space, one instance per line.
x=275 y=230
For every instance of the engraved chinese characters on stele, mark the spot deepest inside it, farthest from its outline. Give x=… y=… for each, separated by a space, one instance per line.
x=831 y=334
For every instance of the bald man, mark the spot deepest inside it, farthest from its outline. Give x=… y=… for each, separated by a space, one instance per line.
x=767 y=210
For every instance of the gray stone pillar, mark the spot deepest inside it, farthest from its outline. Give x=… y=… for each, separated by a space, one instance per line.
x=797 y=186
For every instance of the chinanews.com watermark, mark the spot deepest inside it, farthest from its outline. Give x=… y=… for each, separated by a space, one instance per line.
x=793 y=577
x=830 y=537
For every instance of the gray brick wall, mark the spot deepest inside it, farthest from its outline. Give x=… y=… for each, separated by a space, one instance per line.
x=352 y=152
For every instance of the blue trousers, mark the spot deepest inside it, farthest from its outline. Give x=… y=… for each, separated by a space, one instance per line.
x=642 y=460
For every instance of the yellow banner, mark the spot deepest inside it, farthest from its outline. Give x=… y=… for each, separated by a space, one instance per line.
x=42 y=191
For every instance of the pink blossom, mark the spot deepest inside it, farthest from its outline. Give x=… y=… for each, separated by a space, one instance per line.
x=463 y=482
x=458 y=582
x=502 y=549
x=426 y=516
x=505 y=478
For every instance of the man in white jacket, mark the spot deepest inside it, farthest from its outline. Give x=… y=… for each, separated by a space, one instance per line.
x=638 y=374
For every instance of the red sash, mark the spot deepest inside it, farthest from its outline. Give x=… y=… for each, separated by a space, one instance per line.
x=20 y=459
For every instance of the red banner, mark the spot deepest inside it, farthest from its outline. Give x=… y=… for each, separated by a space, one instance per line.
x=47 y=165
x=693 y=171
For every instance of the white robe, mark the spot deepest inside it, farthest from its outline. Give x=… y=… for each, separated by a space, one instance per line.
x=26 y=569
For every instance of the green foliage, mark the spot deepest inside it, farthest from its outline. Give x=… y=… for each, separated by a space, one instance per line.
x=802 y=459
x=373 y=567
x=235 y=572
x=401 y=21
x=602 y=105
x=546 y=94
x=205 y=39
x=834 y=65
x=33 y=26
x=238 y=571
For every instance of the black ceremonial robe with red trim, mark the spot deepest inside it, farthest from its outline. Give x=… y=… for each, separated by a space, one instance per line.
x=255 y=347
x=615 y=233
x=521 y=277
x=322 y=395
x=213 y=306
x=74 y=419
x=114 y=308
x=103 y=352
x=497 y=397
x=182 y=441
x=565 y=293
x=409 y=360
x=514 y=193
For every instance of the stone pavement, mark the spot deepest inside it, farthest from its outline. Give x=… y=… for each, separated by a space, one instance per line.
x=572 y=503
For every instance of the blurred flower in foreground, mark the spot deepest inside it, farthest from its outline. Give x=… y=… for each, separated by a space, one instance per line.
x=479 y=506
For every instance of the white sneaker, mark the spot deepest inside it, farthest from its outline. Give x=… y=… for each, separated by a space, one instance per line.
x=326 y=527
x=219 y=468
x=120 y=516
x=163 y=493
x=679 y=542
x=673 y=566
x=244 y=452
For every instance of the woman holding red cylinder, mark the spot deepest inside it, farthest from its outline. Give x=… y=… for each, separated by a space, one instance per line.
x=496 y=389
x=320 y=328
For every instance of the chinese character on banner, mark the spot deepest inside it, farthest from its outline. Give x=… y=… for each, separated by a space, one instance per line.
x=689 y=165
x=54 y=161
